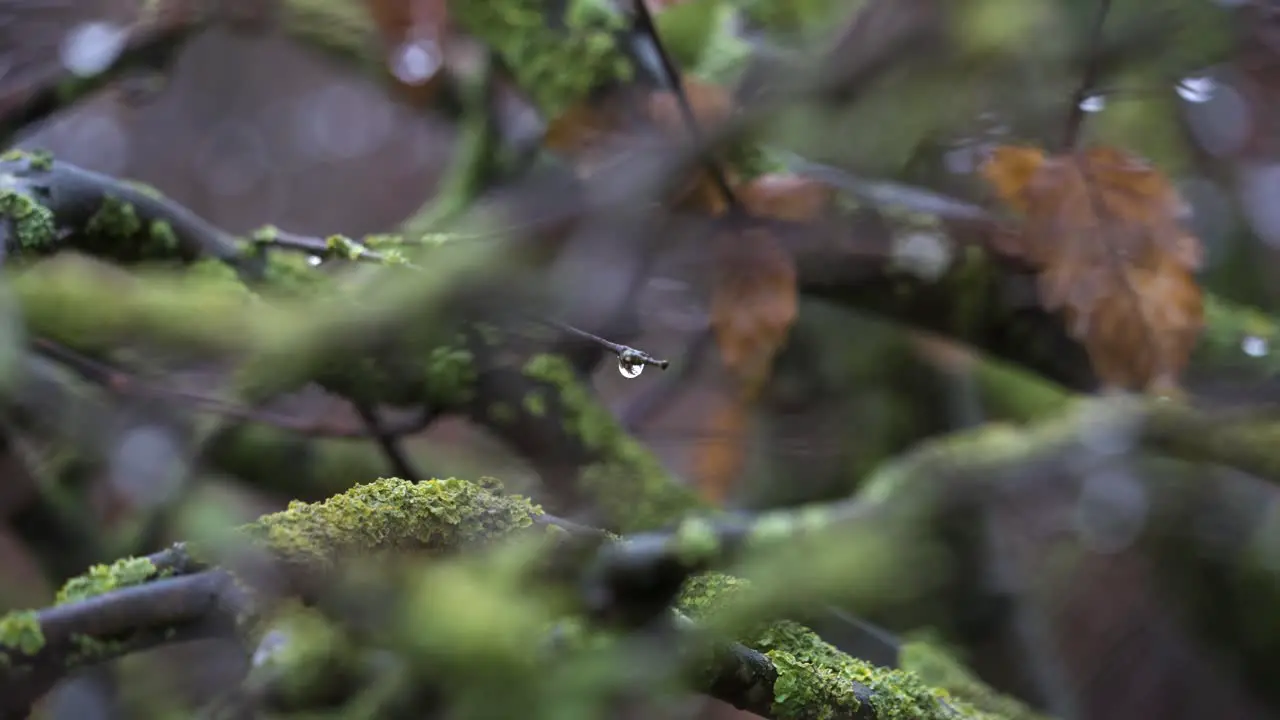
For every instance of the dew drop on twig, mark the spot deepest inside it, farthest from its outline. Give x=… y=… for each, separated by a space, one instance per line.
x=629 y=368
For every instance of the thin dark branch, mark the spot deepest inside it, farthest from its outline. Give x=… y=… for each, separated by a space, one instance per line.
x=390 y=444
x=718 y=175
x=123 y=382
x=336 y=247
x=117 y=623
x=650 y=402
x=75 y=195
x=1088 y=79
x=625 y=353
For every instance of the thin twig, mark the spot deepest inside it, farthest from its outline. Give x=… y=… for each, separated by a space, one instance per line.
x=718 y=175
x=648 y=403
x=122 y=382
x=390 y=444
x=625 y=353
x=1088 y=79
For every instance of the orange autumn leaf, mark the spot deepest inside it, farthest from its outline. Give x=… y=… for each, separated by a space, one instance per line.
x=719 y=460
x=1102 y=228
x=755 y=298
x=787 y=196
x=591 y=133
x=754 y=302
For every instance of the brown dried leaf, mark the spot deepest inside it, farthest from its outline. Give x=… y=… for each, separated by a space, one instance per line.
x=592 y=134
x=754 y=302
x=719 y=459
x=786 y=196
x=1102 y=227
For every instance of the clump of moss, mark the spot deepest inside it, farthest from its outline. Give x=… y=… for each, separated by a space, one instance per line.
x=101 y=579
x=114 y=220
x=626 y=482
x=391 y=513
x=812 y=674
x=451 y=375
x=557 y=66
x=41 y=160
x=938 y=668
x=32 y=223
x=20 y=632
x=814 y=678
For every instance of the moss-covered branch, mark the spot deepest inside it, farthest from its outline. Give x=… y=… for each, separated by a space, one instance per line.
x=804 y=677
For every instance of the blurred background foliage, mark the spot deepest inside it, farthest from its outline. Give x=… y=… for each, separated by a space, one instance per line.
x=252 y=127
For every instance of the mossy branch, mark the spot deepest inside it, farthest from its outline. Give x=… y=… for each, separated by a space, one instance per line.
x=802 y=676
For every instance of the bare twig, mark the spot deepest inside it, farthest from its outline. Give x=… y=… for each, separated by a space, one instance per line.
x=626 y=354
x=646 y=25
x=1088 y=79
x=390 y=444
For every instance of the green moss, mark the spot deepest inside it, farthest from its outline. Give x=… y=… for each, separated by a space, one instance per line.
x=101 y=579
x=88 y=649
x=814 y=677
x=451 y=375
x=162 y=237
x=535 y=403
x=31 y=223
x=344 y=247
x=502 y=413
x=626 y=481
x=696 y=541
x=41 y=160
x=20 y=632
x=942 y=671
x=115 y=219
x=556 y=66
x=815 y=680
x=390 y=513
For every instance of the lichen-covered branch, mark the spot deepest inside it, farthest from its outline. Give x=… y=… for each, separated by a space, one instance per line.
x=803 y=677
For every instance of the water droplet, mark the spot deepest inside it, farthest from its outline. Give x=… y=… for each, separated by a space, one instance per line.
x=1196 y=89
x=1093 y=104
x=314 y=260
x=1254 y=346
x=416 y=61
x=629 y=367
x=91 y=47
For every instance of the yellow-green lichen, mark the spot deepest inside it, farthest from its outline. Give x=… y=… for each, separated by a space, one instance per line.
x=101 y=579
x=696 y=541
x=451 y=375
x=37 y=159
x=31 y=223
x=815 y=680
x=20 y=632
x=162 y=236
x=942 y=671
x=87 y=649
x=115 y=219
x=391 y=513
x=814 y=677
x=556 y=63
x=535 y=403
x=625 y=480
